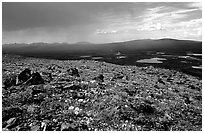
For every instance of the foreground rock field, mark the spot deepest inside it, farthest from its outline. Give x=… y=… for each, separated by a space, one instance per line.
x=92 y=96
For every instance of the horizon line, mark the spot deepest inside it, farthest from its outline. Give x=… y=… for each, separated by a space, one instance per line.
x=102 y=43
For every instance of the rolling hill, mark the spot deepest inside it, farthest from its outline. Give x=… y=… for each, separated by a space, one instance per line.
x=65 y=50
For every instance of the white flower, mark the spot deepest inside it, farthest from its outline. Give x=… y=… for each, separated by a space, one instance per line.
x=88 y=113
x=71 y=107
x=93 y=81
x=43 y=124
x=76 y=112
x=88 y=122
x=80 y=100
x=76 y=109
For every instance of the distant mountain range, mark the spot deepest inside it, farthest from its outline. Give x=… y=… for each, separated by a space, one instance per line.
x=58 y=50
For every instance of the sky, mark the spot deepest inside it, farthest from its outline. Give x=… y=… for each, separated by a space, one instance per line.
x=100 y=22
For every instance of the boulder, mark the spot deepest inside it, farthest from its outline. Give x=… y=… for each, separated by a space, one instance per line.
x=68 y=127
x=79 y=95
x=12 y=122
x=35 y=79
x=144 y=108
x=47 y=76
x=193 y=87
x=35 y=128
x=37 y=89
x=100 y=78
x=188 y=100
x=117 y=76
x=161 y=81
x=73 y=72
x=10 y=81
x=11 y=112
x=23 y=76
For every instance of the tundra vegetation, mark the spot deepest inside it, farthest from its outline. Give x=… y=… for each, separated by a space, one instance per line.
x=86 y=95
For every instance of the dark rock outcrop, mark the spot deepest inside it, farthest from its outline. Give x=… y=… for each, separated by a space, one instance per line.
x=35 y=79
x=143 y=108
x=23 y=76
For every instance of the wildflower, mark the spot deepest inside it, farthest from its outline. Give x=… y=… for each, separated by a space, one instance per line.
x=71 y=107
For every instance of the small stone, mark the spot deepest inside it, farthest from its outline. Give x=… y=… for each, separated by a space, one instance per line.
x=63 y=126
x=92 y=81
x=188 y=100
x=76 y=112
x=43 y=124
x=80 y=95
x=168 y=116
x=80 y=100
x=77 y=109
x=23 y=76
x=54 y=120
x=161 y=81
x=84 y=82
x=31 y=124
x=11 y=122
x=5 y=129
x=71 y=107
x=10 y=81
x=35 y=128
x=88 y=113
x=117 y=76
x=73 y=72
x=35 y=79
x=100 y=78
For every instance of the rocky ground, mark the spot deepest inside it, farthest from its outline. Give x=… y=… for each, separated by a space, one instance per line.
x=92 y=96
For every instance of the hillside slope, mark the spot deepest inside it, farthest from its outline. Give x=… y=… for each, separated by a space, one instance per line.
x=103 y=97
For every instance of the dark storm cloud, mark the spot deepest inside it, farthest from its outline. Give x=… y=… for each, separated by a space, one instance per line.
x=18 y=16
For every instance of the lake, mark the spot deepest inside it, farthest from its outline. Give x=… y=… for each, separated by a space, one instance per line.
x=152 y=60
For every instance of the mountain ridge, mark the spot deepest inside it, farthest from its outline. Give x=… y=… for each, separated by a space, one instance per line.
x=85 y=42
x=125 y=47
